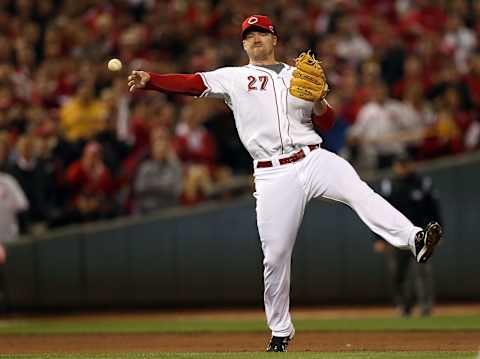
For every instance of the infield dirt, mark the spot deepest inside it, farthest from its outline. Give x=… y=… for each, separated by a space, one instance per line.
x=324 y=341
x=239 y=342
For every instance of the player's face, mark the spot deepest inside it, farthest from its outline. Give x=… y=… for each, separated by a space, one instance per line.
x=259 y=45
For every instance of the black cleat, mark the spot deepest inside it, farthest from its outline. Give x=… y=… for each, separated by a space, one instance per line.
x=426 y=240
x=279 y=344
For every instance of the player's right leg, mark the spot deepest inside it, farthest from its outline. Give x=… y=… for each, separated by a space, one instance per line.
x=281 y=202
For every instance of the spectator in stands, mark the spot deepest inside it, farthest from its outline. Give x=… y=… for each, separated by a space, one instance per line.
x=472 y=136
x=375 y=131
x=417 y=116
x=91 y=187
x=460 y=40
x=446 y=136
x=195 y=145
x=368 y=77
x=475 y=17
x=12 y=202
x=443 y=137
x=472 y=79
x=113 y=140
x=8 y=106
x=6 y=50
x=352 y=46
x=420 y=17
x=52 y=158
x=34 y=180
x=4 y=150
x=414 y=76
x=119 y=103
x=196 y=149
x=159 y=180
x=446 y=78
x=83 y=116
x=351 y=98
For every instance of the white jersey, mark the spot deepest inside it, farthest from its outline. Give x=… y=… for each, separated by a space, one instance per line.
x=270 y=122
x=12 y=201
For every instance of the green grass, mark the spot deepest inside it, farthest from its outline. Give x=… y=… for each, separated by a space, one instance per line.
x=73 y=326
x=357 y=355
x=52 y=326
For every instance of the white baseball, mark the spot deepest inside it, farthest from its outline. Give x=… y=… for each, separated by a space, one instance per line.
x=114 y=65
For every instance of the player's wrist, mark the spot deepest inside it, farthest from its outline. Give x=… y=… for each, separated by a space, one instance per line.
x=320 y=107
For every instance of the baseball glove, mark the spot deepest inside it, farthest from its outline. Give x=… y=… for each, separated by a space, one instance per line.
x=308 y=82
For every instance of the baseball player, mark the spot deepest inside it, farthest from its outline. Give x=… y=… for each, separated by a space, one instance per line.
x=276 y=108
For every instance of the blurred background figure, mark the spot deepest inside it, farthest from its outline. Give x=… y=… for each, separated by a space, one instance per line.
x=12 y=202
x=84 y=115
x=197 y=149
x=159 y=180
x=412 y=194
x=375 y=134
x=4 y=150
x=28 y=169
x=90 y=185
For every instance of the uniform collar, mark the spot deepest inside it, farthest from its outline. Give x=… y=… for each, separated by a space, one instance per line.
x=285 y=66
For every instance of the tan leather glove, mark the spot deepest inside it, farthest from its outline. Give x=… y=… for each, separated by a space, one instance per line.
x=308 y=79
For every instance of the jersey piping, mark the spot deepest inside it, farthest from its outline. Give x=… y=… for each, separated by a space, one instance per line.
x=286 y=114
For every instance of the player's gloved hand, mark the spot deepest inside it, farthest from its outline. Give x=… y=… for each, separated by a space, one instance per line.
x=137 y=80
x=308 y=82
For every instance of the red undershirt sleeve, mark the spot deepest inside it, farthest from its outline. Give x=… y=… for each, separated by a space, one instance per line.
x=325 y=121
x=185 y=84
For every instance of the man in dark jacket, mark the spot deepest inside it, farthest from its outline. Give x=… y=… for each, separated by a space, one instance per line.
x=412 y=194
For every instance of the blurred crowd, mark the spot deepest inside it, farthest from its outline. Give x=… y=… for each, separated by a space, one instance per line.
x=405 y=79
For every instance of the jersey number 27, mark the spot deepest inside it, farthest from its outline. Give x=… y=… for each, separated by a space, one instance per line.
x=253 y=80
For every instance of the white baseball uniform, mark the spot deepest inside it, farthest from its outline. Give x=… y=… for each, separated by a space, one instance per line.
x=12 y=201
x=273 y=126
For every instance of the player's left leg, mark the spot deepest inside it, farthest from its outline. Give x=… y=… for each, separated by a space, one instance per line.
x=332 y=177
x=280 y=206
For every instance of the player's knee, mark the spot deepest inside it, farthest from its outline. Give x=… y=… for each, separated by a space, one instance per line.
x=363 y=195
x=277 y=258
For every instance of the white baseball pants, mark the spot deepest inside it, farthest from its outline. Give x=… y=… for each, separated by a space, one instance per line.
x=282 y=193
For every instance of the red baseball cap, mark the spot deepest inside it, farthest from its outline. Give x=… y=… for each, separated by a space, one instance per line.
x=260 y=22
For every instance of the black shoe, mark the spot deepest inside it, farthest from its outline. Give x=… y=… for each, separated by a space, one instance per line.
x=426 y=240
x=279 y=344
x=426 y=312
x=405 y=312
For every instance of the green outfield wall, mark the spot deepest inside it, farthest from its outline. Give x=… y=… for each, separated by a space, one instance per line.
x=211 y=255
